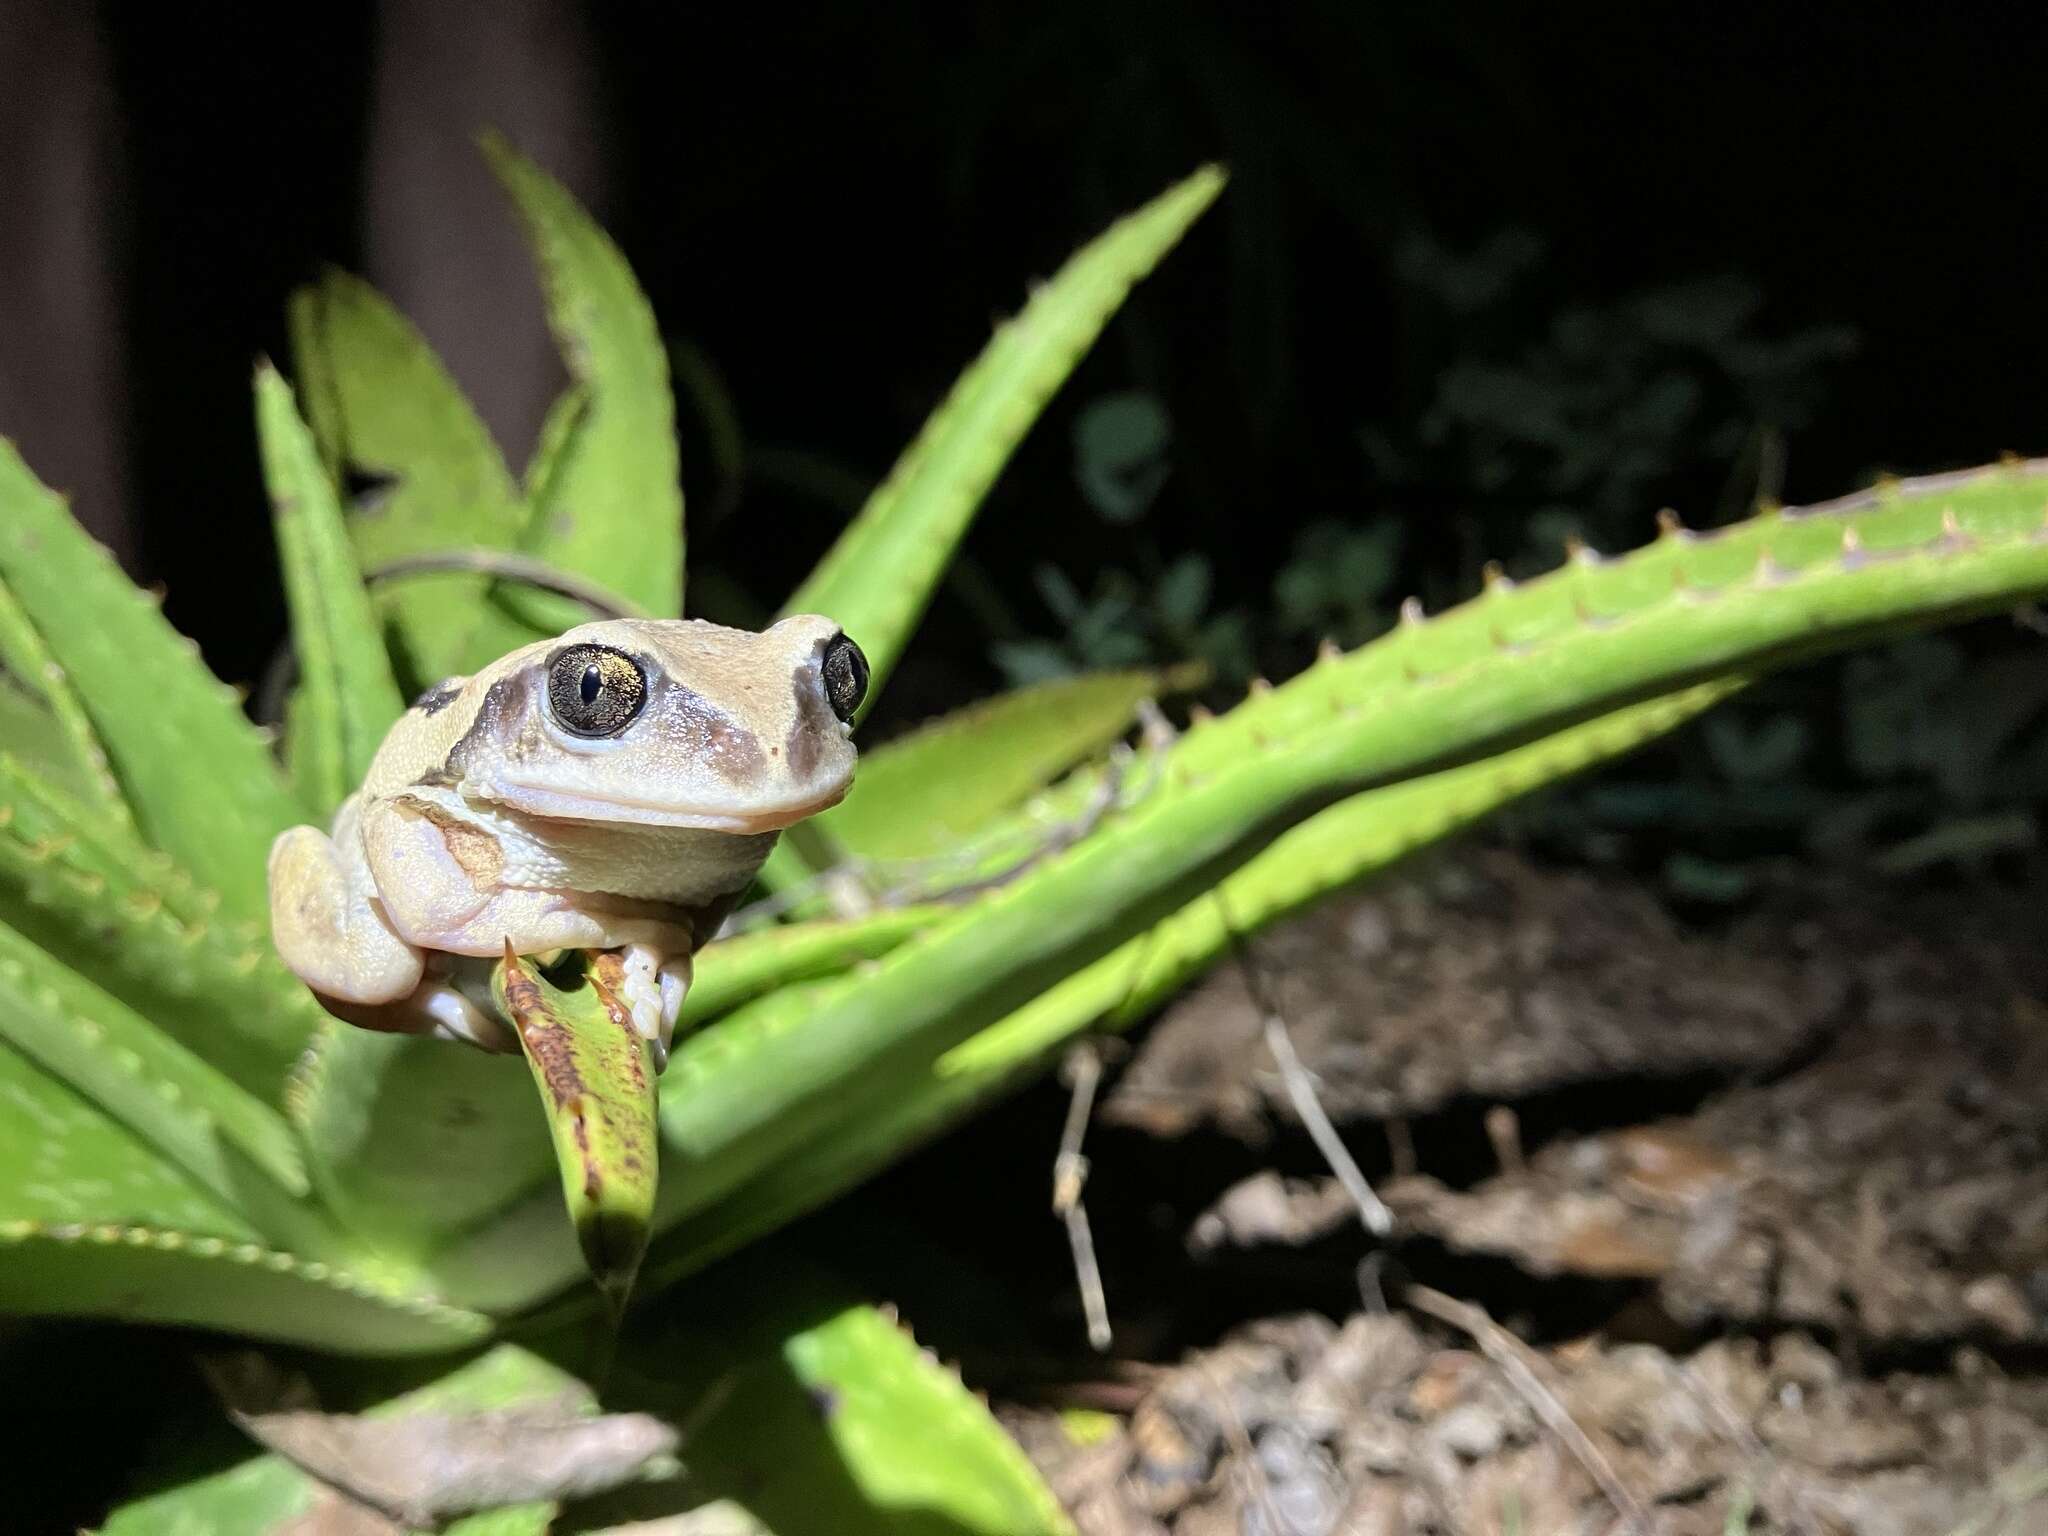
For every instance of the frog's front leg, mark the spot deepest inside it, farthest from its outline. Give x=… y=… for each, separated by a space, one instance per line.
x=325 y=919
x=334 y=934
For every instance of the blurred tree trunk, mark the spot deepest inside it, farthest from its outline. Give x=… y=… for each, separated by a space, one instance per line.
x=62 y=351
x=441 y=238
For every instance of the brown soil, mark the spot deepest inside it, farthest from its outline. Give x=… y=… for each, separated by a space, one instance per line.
x=1798 y=1165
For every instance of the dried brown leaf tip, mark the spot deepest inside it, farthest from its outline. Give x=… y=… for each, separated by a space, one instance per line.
x=409 y=1471
x=597 y=1089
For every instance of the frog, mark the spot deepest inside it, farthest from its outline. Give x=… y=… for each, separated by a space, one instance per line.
x=614 y=788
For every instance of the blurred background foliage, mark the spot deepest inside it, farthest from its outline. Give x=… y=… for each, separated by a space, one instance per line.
x=1487 y=278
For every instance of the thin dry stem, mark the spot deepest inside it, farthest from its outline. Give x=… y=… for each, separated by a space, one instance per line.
x=1522 y=1370
x=1069 y=1177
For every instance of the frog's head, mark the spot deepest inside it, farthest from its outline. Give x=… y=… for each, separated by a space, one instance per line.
x=672 y=723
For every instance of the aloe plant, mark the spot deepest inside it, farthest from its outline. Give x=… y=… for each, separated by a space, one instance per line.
x=190 y=1140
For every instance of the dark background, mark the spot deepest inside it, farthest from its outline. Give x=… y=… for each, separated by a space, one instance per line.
x=831 y=205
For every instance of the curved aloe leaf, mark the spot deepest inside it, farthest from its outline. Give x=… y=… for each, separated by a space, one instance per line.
x=849 y=1427
x=62 y=741
x=410 y=1139
x=67 y=1164
x=119 y=1059
x=1510 y=666
x=346 y=698
x=198 y=776
x=94 y=1222
x=740 y=968
x=880 y=574
x=88 y=891
x=919 y=795
x=558 y=433
x=612 y=503
x=596 y=1081
x=383 y=406
x=151 y=1275
x=1352 y=841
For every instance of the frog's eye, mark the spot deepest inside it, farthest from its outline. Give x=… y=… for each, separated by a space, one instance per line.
x=846 y=677
x=594 y=690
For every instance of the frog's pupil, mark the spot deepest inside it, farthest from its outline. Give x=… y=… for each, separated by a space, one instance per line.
x=593 y=683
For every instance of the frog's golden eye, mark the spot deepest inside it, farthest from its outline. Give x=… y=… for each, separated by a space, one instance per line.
x=846 y=677
x=594 y=690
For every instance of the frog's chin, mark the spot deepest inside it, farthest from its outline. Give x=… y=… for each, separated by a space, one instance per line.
x=565 y=805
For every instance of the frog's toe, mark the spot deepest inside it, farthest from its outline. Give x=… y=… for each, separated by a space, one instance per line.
x=653 y=990
x=641 y=990
x=453 y=1016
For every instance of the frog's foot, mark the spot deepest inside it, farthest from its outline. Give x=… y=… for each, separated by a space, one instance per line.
x=653 y=992
x=438 y=1006
x=451 y=1015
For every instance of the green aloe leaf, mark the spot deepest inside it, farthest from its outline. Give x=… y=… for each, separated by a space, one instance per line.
x=29 y=734
x=95 y=897
x=596 y=1080
x=410 y=1139
x=740 y=968
x=558 y=434
x=153 y=1275
x=198 y=776
x=610 y=504
x=346 y=697
x=744 y=1094
x=67 y=1164
x=847 y=1426
x=385 y=409
x=188 y=1110
x=1352 y=841
x=45 y=721
x=878 y=577
x=920 y=795
x=1512 y=665
x=96 y=1222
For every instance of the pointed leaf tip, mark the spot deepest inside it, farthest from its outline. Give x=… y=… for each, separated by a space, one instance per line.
x=610 y=506
x=879 y=575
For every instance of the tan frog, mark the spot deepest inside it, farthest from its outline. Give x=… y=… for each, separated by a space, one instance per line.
x=614 y=788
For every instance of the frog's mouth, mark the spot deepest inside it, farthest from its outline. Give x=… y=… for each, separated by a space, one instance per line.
x=562 y=805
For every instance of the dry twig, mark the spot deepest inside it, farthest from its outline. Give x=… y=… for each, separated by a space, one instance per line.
x=1522 y=1370
x=1083 y=1068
